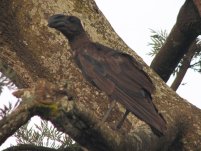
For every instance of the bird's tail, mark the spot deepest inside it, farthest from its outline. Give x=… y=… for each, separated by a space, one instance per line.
x=158 y=126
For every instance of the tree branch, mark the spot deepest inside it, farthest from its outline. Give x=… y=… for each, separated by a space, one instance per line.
x=31 y=103
x=31 y=147
x=184 y=32
x=12 y=122
x=184 y=65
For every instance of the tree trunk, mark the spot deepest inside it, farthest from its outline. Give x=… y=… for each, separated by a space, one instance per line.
x=184 y=66
x=184 y=32
x=35 y=51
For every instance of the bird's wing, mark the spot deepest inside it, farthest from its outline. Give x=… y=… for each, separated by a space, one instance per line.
x=122 y=78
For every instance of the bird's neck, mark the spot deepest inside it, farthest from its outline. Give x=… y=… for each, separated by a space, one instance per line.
x=79 y=41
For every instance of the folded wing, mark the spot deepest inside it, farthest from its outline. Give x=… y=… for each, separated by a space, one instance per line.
x=121 y=77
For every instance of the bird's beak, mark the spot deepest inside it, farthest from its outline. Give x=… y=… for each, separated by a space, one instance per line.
x=56 y=21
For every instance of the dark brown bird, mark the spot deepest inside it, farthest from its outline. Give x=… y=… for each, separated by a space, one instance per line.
x=118 y=74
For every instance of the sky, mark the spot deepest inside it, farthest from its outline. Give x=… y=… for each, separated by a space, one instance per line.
x=132 y=20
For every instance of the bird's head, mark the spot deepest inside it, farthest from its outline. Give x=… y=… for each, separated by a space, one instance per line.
x=70 y=26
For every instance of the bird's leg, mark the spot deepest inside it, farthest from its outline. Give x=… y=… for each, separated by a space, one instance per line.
x=112 y=104
x=120 y=123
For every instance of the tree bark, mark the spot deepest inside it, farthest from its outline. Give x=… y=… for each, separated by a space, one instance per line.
x=184 y=32
x=184 y=66
x=34 y=51
x=30 y=147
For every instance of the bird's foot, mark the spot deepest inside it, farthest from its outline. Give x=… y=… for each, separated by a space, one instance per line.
x=120 y=123
x=112 y=104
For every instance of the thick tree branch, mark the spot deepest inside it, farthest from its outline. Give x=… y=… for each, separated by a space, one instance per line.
x=12 y=122
x=41 y=93
x=184 y=32
x=30 y=147
x=15 y=50
x=11 y=62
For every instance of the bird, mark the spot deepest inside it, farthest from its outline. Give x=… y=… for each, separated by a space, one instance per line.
x=114 y=72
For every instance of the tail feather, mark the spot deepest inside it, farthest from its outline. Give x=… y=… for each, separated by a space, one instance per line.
x=144 y=109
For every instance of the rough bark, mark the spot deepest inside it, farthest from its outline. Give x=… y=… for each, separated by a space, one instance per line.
x=184 y=32
x=184 y=66
x=30 y=147
x=34 y=51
